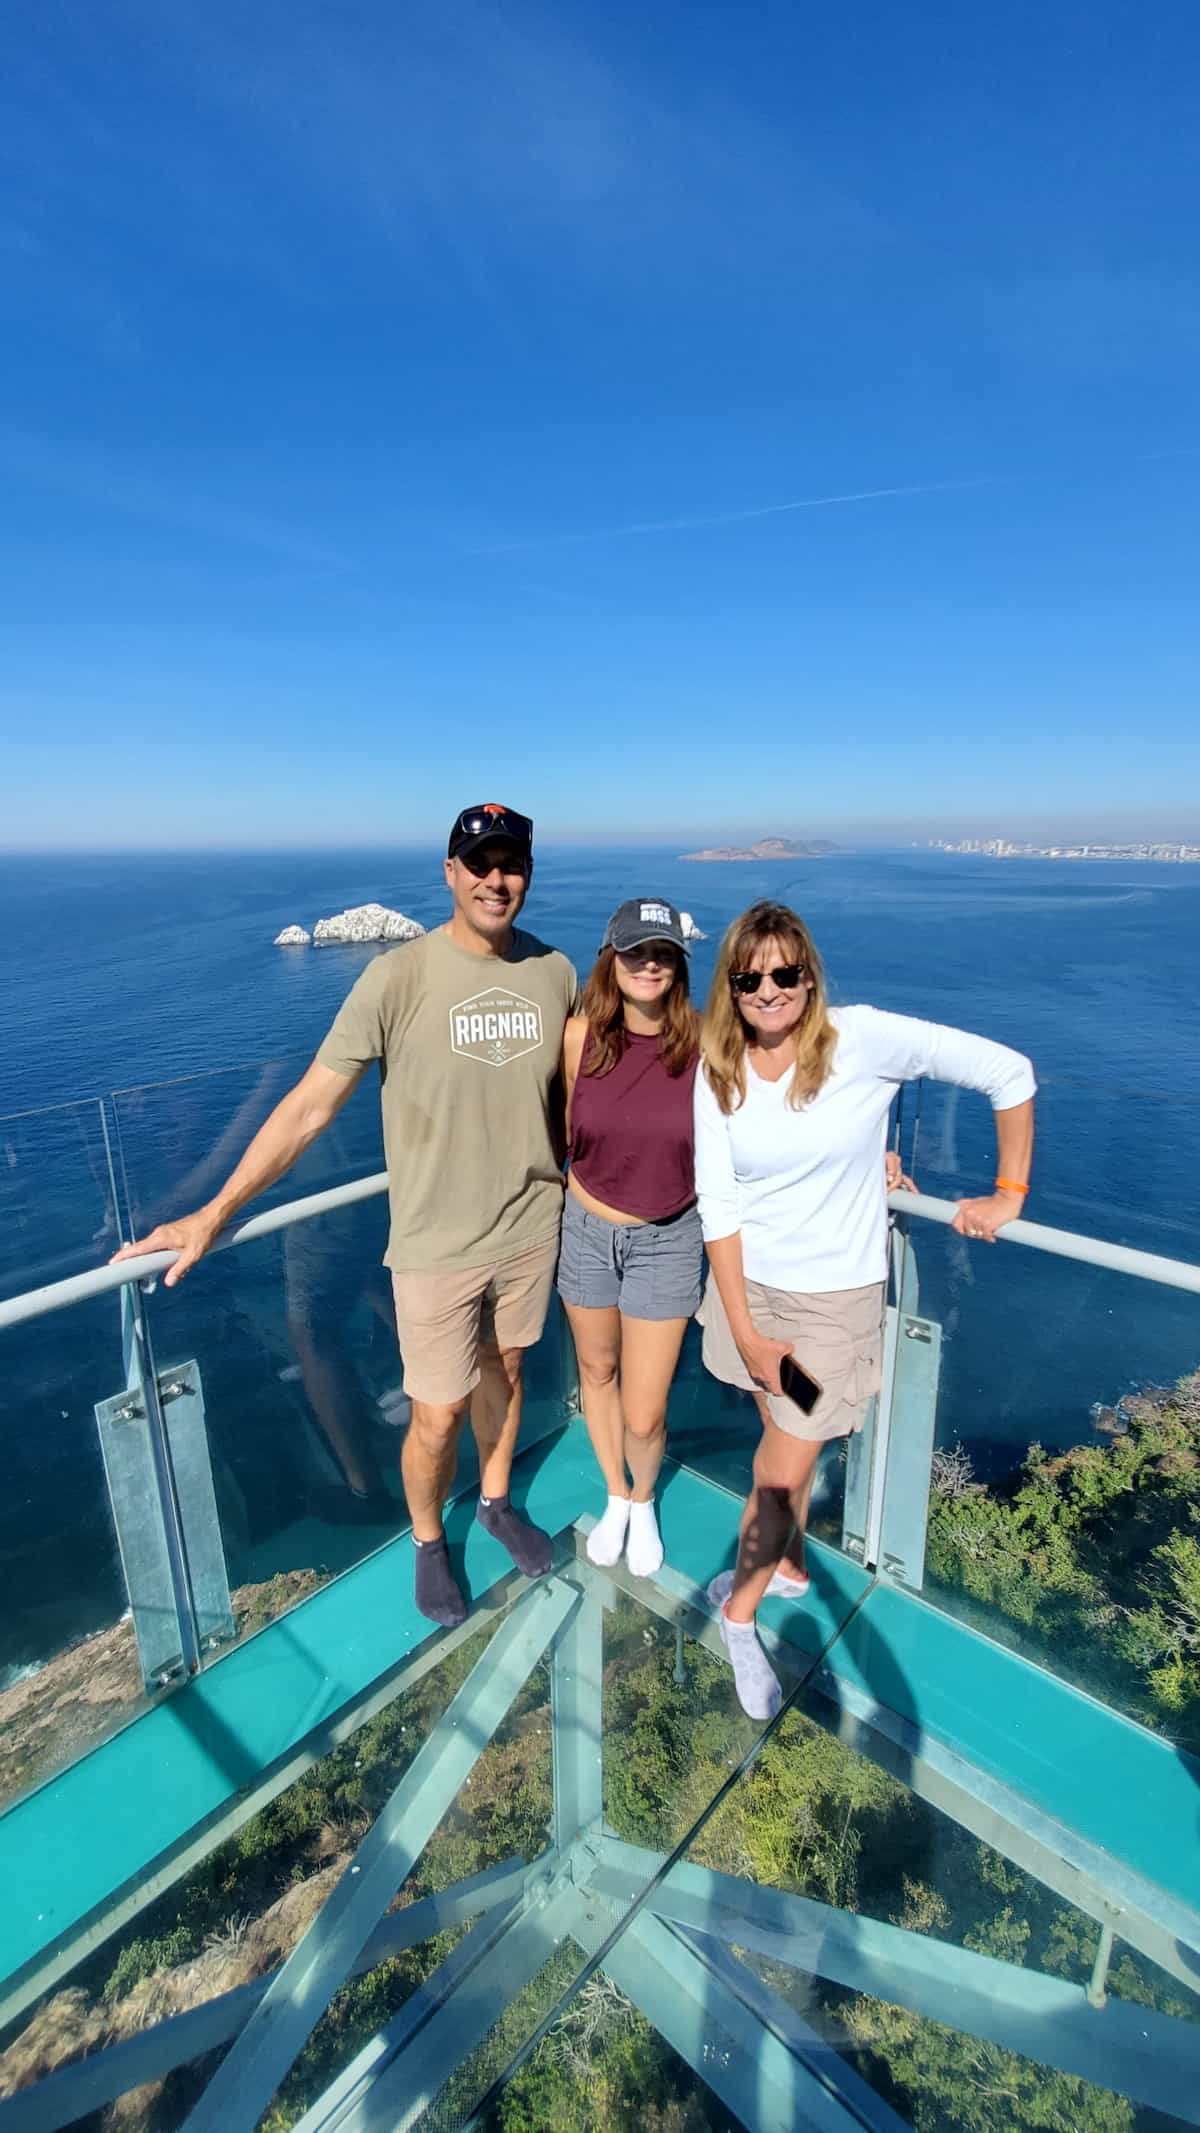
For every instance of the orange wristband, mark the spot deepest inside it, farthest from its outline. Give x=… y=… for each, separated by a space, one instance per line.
x=1011 y=1185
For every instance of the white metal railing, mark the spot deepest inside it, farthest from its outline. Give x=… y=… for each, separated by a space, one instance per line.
x=56 y=1295
x=1063 y=1243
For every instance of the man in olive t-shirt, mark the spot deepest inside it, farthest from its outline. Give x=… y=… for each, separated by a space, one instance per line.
x=466 y=1024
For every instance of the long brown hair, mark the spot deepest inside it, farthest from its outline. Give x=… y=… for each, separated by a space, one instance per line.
x=723 y=1032
x=604 y=1008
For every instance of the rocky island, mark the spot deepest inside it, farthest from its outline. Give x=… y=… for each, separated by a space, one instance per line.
x=766 y=848
x=363 y=922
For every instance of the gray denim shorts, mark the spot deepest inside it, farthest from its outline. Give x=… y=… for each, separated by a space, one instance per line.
x=647 y=1269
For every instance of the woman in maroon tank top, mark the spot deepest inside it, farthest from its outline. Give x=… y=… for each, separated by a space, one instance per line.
x=630 y=1267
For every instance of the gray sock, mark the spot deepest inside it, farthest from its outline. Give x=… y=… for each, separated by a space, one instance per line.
x=438 y=1596
x=528 y=1546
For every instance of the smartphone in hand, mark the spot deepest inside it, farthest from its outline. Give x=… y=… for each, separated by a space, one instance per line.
x=801 y=1389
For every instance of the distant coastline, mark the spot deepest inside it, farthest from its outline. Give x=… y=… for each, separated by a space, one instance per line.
x=1002 y=848
x=765 y=848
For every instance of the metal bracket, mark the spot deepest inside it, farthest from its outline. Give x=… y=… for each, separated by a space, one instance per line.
x=905 y=1507
x=868 y=1451
x=135 y=1490
x=182 y=1397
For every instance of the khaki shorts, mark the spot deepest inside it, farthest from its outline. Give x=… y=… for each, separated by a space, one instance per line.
x=445 y=1317
x=837 y=1337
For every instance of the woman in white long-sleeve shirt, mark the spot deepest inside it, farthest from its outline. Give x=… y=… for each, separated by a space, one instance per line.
x=791 y=1110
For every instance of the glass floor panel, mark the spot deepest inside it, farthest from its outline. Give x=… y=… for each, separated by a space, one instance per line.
x=559 y=1883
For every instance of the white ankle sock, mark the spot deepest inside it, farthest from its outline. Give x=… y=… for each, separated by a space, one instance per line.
x=780 y=1588
x=754 y=1678
x=607 y=1537
x=644 y=1550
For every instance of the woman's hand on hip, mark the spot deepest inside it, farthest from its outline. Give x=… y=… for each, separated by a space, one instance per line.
x=762 y=1357
x=982 y=1218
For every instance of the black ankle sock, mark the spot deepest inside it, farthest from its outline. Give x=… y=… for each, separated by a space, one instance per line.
x=528 y=1546
x=438 y=1596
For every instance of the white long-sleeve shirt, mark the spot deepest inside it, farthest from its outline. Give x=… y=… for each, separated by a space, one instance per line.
x=806 y=1188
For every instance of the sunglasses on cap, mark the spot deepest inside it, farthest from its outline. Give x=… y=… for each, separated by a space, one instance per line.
x=786 y=977
x=475 y=824
x=494 y=821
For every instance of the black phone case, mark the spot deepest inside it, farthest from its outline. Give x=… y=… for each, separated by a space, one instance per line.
x=801 y=1390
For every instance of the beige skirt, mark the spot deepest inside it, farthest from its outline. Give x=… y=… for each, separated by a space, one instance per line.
x=836 y=1336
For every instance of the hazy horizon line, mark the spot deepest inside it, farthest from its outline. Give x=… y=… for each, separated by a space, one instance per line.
x=914 y=837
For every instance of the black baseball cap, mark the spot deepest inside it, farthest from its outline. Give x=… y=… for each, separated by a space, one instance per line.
x=484 y=824
x=644 y=918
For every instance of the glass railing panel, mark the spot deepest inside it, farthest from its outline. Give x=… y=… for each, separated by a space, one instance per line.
x=57 y=1215
x=69 y=1660
x=899 y=1957
x=1043 y=1477
x=292 y=1338
x=1112 y=1162
x=177 y=1141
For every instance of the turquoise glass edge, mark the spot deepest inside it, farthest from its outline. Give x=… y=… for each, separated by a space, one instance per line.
x=1123 y=1789
x=86 y=1836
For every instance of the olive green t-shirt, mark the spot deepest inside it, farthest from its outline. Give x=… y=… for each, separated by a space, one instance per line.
x=469 y=1050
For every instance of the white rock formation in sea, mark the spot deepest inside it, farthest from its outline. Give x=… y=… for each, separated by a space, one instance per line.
x=292 y=937
x=365 y=922
x=691 y=931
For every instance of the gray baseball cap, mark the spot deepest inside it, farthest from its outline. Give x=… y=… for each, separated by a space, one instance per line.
x=644 y=918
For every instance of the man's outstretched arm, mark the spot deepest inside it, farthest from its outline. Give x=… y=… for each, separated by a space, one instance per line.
x=292 y=1126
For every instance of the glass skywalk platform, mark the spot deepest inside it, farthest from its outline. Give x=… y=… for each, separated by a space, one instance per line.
x=274 y=1854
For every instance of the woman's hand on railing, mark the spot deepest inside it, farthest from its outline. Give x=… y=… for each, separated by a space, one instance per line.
x=191 y=1236
x=896 y=1178
x=982 y=1218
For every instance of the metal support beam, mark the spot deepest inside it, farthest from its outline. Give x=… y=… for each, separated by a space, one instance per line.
x=248 y=2077
x=1153 y=2059
x=576 y=1694
x=61 y=1955
x=150 y=2055
x=335 y=2107
x=755 y=2075
x=1144 y=1915
x=825 y=2060
x=396 y=2076
x=1097 y=1991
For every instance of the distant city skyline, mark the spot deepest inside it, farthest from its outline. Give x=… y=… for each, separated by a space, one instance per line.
x=684 y=431
x=893 y=833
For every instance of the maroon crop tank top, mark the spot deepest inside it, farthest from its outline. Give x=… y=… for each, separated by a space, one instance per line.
x=632 y=1143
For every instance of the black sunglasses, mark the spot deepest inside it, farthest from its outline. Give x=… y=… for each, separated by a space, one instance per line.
x=787 y=977
x=493 y=821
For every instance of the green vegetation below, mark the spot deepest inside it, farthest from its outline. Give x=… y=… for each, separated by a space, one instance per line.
x=1090 y=1560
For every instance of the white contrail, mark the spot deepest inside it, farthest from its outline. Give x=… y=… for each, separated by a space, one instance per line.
x=734 y=518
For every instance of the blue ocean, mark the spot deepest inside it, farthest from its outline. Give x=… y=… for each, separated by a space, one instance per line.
x=147 y=1024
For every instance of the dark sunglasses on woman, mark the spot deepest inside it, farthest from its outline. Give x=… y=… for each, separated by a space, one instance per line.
x=787 y=977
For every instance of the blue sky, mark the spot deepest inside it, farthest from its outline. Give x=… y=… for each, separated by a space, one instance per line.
x=670 y=419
